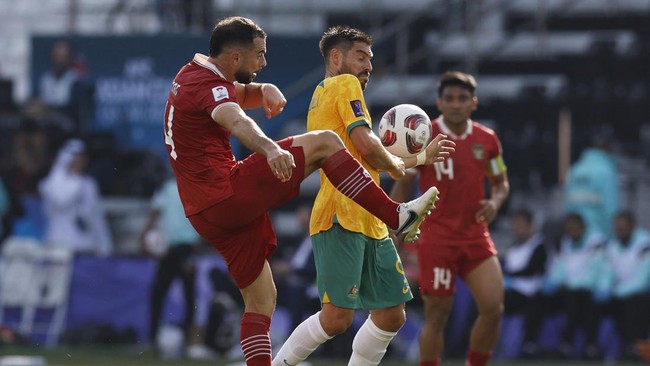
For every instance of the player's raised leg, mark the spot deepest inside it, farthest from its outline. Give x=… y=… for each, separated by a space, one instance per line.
x=325 y=150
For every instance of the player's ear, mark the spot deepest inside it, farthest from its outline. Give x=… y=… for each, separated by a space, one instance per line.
x=336 y=57
x=235 y=58
x=474 y=103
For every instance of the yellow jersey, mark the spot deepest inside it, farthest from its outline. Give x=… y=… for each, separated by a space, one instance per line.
x=338 y=105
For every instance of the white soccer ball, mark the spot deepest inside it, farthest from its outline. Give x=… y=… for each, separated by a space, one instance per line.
x=405 y=130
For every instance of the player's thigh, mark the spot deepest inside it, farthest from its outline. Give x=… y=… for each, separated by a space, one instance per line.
x=438 y=266
x=317 y=146
x=383 y=282
x=256 y=190
x=338 y=257
x=244 y=249
x=485 y=282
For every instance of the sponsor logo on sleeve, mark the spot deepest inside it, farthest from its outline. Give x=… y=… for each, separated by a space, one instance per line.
x=357 y=108
x=219 y=93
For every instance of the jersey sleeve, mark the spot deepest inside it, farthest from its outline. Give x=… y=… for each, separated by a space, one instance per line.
x=496 y=165
x=210 y=95
x=350 y=103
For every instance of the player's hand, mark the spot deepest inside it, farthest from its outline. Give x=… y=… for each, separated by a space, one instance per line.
x=487 y=213
x=281 y=163
x=399 y=170
x=273 y=101
x=439 y=149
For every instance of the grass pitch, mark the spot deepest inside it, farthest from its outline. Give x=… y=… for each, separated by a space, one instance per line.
x=129 y=356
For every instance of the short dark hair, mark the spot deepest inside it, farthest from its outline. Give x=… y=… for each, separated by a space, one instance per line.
x=234 y=31
x=575 y=217
x=341 y=36
x=627 y=216
x=457 y=78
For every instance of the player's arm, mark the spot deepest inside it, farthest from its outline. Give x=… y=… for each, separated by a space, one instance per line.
x=490 y=207
x=232 y=117
x=371 y=149
x=256 y=95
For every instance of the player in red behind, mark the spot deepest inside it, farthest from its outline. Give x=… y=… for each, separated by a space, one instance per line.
x=455 y=240
x=227 y=201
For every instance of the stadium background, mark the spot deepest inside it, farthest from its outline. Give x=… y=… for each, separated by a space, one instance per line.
x=540 y=65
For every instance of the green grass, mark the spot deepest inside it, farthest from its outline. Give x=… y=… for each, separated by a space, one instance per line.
x=128 y=356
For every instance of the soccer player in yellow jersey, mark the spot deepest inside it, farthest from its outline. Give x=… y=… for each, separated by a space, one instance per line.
x=357 y=264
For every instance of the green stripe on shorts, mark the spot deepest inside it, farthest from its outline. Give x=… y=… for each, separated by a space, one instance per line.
x=358 y=272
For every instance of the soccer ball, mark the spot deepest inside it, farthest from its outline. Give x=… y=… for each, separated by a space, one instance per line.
x=405 y=130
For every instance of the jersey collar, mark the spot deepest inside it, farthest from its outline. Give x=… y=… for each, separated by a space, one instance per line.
x=445 y=130
x=202 y=60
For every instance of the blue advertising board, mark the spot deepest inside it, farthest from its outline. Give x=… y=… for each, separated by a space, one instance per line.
x=132 y=76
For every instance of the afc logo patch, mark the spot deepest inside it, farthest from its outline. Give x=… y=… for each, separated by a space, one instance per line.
x=219 y=93
x=357 y=109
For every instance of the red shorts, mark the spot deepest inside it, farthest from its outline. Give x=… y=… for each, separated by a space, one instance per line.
x=240 y=227
x=440 y=264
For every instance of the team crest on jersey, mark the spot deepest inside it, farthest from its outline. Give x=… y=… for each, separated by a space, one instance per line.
x=219 y=93
x=478 y=151
x=357 y=108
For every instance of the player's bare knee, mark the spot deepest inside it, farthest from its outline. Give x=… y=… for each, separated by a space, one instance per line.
x=336 y=322
x=493 y=310
x=338 y=326
x=329 y=142
x=393 y=322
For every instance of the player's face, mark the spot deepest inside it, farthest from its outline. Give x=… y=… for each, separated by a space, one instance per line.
x=254 y=60
x=456 y=104
x=356 y=61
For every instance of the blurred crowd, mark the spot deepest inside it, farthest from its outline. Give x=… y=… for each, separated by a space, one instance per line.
x=588 y=265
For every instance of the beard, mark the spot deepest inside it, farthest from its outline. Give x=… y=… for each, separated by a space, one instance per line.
x=346 y=70
x=244 y=77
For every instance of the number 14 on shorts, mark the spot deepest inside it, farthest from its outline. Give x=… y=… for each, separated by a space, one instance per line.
x=441 y=278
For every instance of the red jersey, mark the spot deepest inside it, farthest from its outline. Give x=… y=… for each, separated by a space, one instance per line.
x=461 y=181
x=199 y=148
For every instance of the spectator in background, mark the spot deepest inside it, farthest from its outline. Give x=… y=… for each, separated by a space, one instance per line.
x=63 y=87
x=524 y=267
x=167 y=218
x=72 y=204
x=628 y=256
x=592 y=186
x=577 y=271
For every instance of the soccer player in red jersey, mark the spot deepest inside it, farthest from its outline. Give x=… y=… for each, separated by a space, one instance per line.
x=227 y=201
x=455 y=240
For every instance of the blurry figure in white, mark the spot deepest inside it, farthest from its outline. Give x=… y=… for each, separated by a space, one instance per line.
x=72 y=204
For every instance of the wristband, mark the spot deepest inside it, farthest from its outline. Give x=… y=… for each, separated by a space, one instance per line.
x=421 y=158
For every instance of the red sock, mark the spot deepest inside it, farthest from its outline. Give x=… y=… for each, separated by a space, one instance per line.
x=477 y=359
x=255 y=341
x=430 y=363
x=351 y=179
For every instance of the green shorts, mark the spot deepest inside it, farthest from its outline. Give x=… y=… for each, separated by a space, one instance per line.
x=358 y=272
